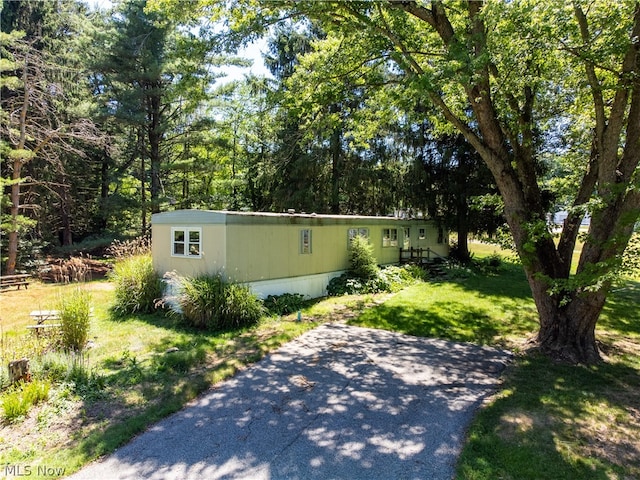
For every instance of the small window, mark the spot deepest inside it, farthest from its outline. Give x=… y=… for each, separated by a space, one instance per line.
x=354 y=232
x=422 y=233
x=305 y=241
x=389 y=237
x=440 y=235
x=186 y=242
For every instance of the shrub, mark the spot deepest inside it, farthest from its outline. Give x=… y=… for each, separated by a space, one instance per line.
x=75 y=314
x=362 y=263
x=284 y=304
x=210 y=302
x=489 y=265
x=198 y=298
x=388 y=279
x=138 y=285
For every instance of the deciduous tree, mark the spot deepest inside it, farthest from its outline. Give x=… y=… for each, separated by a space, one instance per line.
x=500 y=73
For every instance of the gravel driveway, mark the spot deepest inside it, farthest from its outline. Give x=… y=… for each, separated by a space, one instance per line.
x=339 y=402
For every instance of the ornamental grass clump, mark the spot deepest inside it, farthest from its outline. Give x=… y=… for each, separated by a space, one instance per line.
x=75 y=315
x=17 y=403
x=137 y=285
x=211 y=302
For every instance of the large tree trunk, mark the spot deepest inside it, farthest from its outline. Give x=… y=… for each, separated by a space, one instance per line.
x=336 y=163
x=12 y=248
x=155 y=138
x=569 y=334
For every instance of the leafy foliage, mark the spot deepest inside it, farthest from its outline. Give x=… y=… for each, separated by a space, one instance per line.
x=362 y=263
x=284 y=304
x=387 y=279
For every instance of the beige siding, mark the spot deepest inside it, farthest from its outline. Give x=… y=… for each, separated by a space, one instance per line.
x=213 y=250
x=261 y=252
x=257 y=247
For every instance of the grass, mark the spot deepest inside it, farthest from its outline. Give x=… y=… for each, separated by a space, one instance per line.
x=548 y=421
x=139 y=368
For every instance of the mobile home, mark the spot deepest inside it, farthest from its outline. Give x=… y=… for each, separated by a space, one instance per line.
x=279 y=253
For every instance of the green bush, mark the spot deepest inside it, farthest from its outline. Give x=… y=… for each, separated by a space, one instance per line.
x=137 y=285
x=210 y=302
x=388 y=279
x=284 y=304
x=362 y=263
x=75 y=315
x=489 y=265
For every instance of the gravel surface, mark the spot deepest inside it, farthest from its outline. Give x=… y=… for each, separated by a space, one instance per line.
x=339 y=402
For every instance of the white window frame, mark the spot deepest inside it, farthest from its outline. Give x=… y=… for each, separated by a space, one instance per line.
x=422 y=233
x=187 y=243
x=389 y=237
x=353 y=232
x=306 y=244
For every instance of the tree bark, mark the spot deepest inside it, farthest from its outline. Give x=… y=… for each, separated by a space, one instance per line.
x=568 y=333
x=155 y=138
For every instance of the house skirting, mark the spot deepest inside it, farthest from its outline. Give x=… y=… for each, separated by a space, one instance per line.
x=312 y=286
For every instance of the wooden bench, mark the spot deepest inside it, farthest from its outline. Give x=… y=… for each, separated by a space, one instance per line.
x=43 y=327
x=15 y=280
x=41 y=316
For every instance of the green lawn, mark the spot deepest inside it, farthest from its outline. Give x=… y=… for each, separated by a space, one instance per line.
x=139 y=369
x=548 y=421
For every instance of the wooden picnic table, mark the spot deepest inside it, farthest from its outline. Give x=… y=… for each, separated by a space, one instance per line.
x=40 y=317
x=17 y=280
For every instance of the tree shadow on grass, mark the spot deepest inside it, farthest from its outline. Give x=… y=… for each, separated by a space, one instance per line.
x=556 y=422
x=465 y=323
x=621 y=310
x=509 y=281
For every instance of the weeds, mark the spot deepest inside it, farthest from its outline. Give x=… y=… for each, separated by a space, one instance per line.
x=73 y=370
x=16 y=404
x=121 y=249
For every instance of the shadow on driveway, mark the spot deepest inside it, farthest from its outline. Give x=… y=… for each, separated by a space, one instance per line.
x=338 y=402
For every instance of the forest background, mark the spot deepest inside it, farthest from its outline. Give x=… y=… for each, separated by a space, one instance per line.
x=131 y=113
